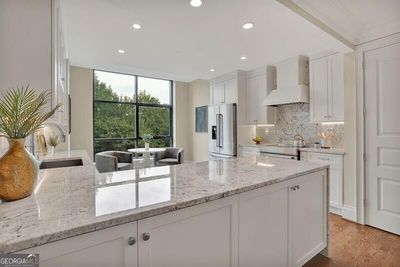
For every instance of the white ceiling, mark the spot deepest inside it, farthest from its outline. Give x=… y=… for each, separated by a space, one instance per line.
x=182 y=43
x=358 y=21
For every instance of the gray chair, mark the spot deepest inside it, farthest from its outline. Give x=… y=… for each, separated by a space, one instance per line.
x=111 y=161
x=171 y=156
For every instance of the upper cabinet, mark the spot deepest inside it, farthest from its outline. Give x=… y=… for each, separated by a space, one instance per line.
x=230 y=88
x=259 y=83
x=60 y=68
x=326 y=87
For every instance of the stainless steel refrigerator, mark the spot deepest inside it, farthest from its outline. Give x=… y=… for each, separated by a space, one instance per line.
x=222 y=130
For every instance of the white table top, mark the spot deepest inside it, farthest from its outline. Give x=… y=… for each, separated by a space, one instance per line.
x=143 y=150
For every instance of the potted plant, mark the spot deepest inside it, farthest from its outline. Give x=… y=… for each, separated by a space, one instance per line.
x=147 y=138
x=22 y=112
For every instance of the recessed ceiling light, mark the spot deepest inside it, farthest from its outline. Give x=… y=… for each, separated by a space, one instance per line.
x=196 y=3
x=121 y=51
x=137 y=26
x=248 y=25
x=212 y=70
x=243 y=58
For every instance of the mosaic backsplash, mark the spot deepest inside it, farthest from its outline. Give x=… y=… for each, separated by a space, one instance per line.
x=294 y=119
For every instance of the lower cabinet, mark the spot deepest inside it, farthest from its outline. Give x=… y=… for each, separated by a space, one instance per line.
x=263 y=227
x=307 y=217
x=203 y=235
x=115 y=246
x=335 y=177
x=284 y=224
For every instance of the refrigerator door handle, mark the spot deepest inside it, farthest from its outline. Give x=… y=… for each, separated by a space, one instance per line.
x=217 y=130
x=221 y=138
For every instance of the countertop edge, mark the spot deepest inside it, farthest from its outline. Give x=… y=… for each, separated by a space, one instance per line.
x=52 y=237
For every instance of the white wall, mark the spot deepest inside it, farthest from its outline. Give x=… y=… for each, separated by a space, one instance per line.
x=81 y=90
x=199 y=95
x=25 y=44
x=349 y=179
x=182 y=136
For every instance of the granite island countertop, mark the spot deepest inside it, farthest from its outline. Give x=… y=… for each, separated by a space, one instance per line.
x=77 y=200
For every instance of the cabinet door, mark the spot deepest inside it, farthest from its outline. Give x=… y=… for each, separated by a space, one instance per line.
x=218 y=93
x=203 y=235
x=319 y=89
x=335 y=178
x=265 y=114
x=263 y=227
x=335 y=88
x=103 y=248
x=231 y=90
x=252 y=85
x=307 y=217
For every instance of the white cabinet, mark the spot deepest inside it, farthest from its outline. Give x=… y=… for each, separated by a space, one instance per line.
x=248 y=150
x=224 y=90
x=327 y=88
x=284 y=224
x=115 y=246
x=259 y=83
x=217 y=93
x=307 y=218
x=263 y=227
x=335 y=178
x=203 y=235
x=230 y=88
x=60 y=68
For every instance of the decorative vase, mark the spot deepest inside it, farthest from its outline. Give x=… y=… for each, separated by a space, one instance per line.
x=146 y=146
x=52 y=150
x=18 y=171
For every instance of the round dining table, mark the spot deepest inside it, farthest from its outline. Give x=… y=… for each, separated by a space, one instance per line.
x=147 y=162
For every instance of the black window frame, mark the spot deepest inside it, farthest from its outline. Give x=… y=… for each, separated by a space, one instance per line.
x=137 y=106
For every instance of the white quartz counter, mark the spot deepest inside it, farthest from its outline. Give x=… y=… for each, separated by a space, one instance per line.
x=76 y=200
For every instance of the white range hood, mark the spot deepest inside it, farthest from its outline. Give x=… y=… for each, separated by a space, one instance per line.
x=292 y=83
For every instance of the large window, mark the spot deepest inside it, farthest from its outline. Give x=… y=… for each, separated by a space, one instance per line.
x=126 y=107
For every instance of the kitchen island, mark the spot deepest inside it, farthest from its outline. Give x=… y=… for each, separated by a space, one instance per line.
x=243 y=211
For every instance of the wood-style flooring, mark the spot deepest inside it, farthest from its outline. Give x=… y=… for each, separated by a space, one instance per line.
x=353 y=244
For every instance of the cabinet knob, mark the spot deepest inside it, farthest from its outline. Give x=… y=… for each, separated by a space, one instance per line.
x=293 y=188
x=146 y=236
x=297 y=186
x=131 y=241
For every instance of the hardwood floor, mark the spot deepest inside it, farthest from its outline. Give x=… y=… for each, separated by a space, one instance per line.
x=353 y=244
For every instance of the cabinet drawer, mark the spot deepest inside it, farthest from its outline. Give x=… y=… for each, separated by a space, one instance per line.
x=333 y=160
x=248 y=151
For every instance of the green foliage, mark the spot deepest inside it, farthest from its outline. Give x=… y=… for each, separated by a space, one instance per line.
x=22 y=111
x=118 y=120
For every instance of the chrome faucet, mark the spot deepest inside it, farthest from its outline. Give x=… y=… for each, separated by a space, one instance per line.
x=298 y=141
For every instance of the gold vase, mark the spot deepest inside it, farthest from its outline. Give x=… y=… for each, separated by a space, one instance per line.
x=18 y=172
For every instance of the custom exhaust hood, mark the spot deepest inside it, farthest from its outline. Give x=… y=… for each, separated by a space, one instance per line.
x=292 y=83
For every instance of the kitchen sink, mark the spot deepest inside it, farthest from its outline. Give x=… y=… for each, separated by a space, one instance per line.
x=63 y=163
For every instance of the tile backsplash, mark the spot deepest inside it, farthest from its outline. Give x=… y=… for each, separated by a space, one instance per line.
x=294 y=119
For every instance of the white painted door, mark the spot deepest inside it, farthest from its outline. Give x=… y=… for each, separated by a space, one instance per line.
x=335 y=88
x=203 y=235
x=218 y=93
x=115 y=246
x=263 y=227
x=252 y=84
x=307 y=218
x=382 y=133
x=318 y=89
x=231 y=90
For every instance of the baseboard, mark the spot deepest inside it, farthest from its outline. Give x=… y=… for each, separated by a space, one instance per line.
x=349 y=213
x=335 y=210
